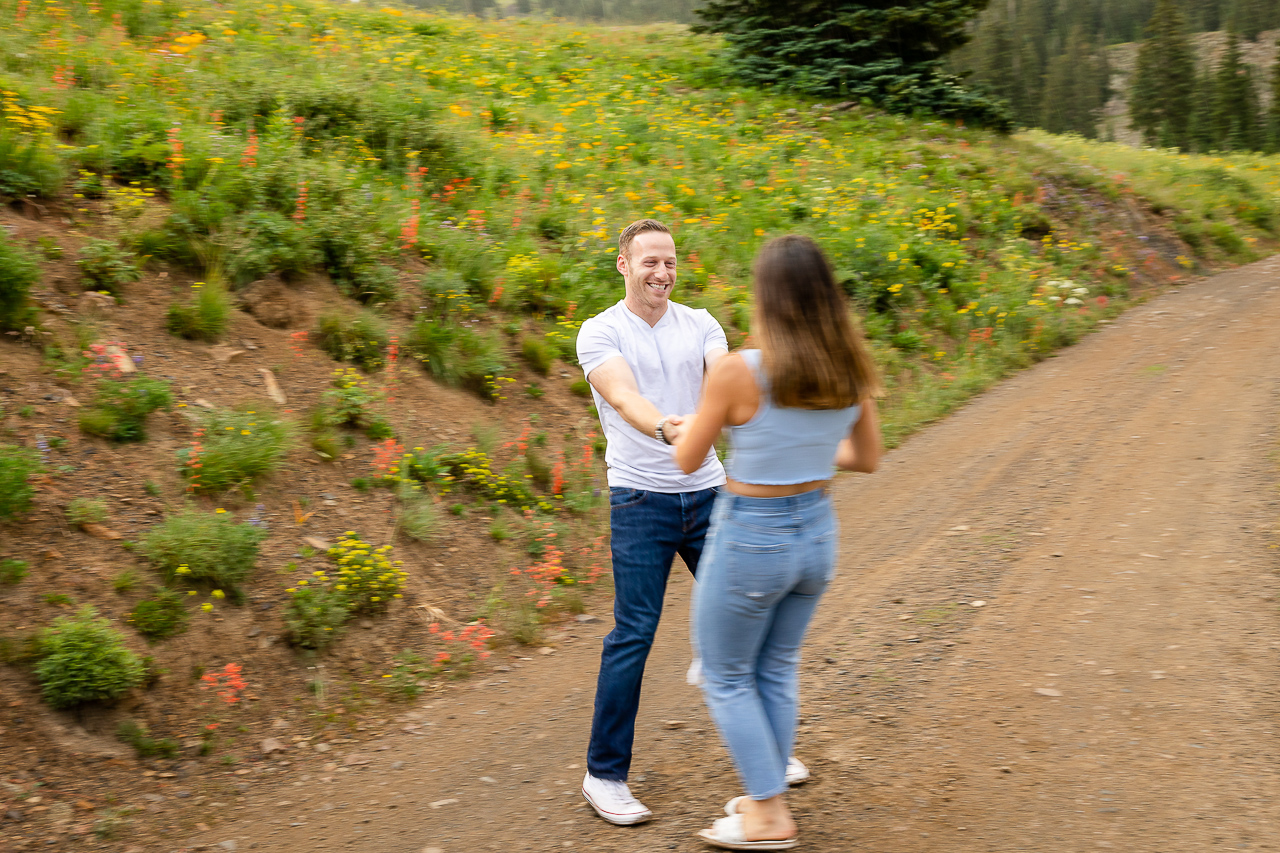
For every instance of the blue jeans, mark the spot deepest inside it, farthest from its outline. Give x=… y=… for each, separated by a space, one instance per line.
x=648 y=530
x=768 y=561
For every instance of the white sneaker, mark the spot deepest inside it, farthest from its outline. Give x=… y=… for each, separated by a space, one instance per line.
x=797 y=773
x=612 y=800
x=694 y=675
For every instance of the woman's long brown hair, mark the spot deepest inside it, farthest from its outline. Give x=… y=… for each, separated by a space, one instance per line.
x=813 y=353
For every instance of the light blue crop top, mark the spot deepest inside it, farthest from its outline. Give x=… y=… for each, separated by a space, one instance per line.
x=782 y=445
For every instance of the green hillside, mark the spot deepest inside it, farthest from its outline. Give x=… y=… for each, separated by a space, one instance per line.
x=442 y=170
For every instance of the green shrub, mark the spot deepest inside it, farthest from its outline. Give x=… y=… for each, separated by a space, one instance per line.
x=120 y=408
x=359 y=338
x=105 y=266
x=202 y=318
x=408 y=670
x=204 y=547
x=137 y=736
x=82 y=511
x=161 y=616
x=538 y=353
x=314 y=616
x=83 y=659
x=364 y=574
x=234 y=447
x=457 y=355
x=28 y=167
x=17 y=466
x=347 y=402
x=263 y=242
x=18 y=272
x=12 y=571
x=580 y=388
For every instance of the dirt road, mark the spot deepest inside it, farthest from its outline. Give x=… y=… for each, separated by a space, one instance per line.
x=1055 y=628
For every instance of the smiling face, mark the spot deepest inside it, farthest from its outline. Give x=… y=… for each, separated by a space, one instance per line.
x=649 y=270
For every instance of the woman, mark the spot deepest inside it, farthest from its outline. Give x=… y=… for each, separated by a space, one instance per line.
x=800 y=402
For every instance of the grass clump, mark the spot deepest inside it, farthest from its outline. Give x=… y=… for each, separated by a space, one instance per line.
x=137 y=736
x=204 y=317
x=107 y=268
x=18 y=273
x=161 y=616
x=126 y=581
x=83 y=659
x=234 y=447
x=419 y=519
x=17 y=466
x=120 y=408
x=538 y=354
x=209 y=548
x=359 y=338
x=12 y=571
x=314 y=616
x=82 y=511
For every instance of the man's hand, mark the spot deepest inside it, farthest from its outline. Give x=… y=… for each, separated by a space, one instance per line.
x=677 y=427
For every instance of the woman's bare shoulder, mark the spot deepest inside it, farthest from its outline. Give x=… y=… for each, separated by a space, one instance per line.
x=730 y=374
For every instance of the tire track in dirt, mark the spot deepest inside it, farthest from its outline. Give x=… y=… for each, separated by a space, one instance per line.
x=1110 y=506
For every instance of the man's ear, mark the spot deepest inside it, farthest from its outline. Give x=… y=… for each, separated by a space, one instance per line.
x=622 y=263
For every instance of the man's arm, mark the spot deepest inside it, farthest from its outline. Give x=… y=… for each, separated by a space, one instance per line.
x=617 y=384
x=678 y=425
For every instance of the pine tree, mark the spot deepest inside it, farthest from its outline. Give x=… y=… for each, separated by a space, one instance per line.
x=1250 y=17
x=1236 y=116
x=1075 y=89
x=1160 y=101
x=1204 y=131
x=1273 y=114
x=889 y=51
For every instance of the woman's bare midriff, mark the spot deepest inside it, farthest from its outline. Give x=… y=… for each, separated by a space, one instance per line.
x=760 y=490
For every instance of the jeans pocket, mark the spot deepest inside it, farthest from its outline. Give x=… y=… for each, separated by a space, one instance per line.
x=758 y=570
x=620 y=498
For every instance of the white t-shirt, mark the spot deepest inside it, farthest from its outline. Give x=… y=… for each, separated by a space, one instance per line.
x=667 y=360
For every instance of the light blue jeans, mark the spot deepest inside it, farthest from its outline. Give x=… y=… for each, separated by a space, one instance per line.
x=767 y=562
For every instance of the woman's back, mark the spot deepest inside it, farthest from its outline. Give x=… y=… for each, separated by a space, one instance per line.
x=781 y=445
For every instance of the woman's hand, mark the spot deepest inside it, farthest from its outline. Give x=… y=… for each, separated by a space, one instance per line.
x=678 y=427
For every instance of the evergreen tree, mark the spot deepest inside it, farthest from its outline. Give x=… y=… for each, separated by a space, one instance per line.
x=888 y=51
x=1250 y=17
x=1204 y=129
x=1236 y=115
x=1273 y=114
x=1160 y=101
x=1075 y=89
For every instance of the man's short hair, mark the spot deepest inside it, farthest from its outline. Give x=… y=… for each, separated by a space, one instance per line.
x=634 y=230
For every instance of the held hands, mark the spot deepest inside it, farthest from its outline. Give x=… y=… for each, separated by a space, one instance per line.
x=677 y=427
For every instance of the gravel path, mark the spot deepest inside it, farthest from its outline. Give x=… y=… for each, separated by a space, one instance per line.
x=1054 y=628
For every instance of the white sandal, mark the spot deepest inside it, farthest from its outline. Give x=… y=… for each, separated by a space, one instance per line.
x=729 y=833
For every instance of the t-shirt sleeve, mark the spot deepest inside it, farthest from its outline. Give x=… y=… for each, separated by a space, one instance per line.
x=597 y=343
x=712 y=336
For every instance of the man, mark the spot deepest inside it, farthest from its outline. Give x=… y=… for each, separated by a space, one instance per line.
x=644 y=356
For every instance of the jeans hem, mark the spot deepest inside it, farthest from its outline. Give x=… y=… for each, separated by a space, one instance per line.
x=776 y=793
